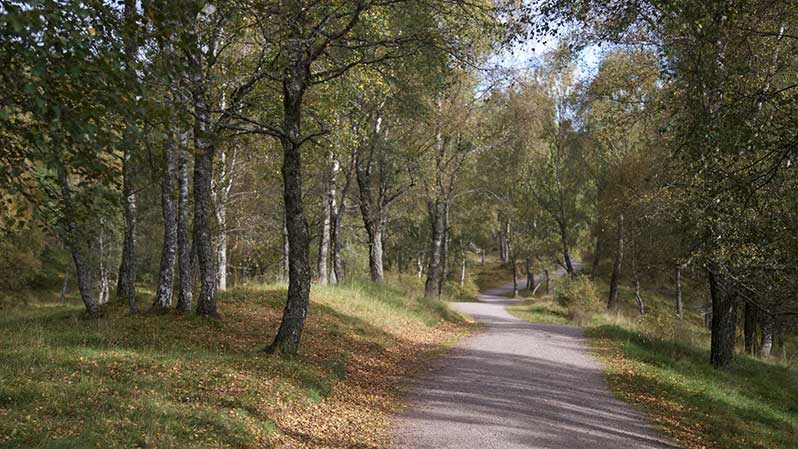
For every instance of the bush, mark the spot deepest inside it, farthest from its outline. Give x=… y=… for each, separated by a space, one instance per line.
x=469 y=289
x=20 y=259
x=579 y=297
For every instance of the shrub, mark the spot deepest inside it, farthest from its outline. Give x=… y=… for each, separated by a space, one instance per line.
x=579 y=297
x=19 y=259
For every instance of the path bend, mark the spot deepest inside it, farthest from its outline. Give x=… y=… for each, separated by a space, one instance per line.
x=519 y=385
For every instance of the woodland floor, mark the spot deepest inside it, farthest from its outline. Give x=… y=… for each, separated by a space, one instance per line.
x=171 y=381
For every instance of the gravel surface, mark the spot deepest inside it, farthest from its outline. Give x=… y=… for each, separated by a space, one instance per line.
x=519 y=385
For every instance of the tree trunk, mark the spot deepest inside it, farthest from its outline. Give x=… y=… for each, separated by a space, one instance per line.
x=566 y=253
x=126 y=281
x=679 y=302
x=185 y=286
x=221 y=258
x=296 y=307
x=724 y=320
x=337 y=272
x=163 y=298
x=129 y=248
x=548 y=290
x=104 y=287
x=220 y=193
x=373 y=215
x=616 y=266
x=286 y=250
x=506 y=243
x=433 y=268
x=327 y=203
x=65 y=285
x=530 y=276
x=749 y=327
x=766 y=347
x=462 y=273
x=515 y=274
x=780 y=338
x=596 y=259
x=420 y=264
x=203 y=213
x=375 y=253
x=639 y=299
x=72 y=243
x=444 y=253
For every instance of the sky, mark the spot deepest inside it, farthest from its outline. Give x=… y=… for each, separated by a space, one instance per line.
x=531 y=52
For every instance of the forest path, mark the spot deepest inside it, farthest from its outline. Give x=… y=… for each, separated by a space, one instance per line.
x=519 y=385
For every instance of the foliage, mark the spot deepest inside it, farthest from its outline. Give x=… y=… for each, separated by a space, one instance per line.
x=20 y=259
x=579 y=297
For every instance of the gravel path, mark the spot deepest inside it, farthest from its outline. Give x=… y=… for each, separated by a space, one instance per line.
x=519 y=385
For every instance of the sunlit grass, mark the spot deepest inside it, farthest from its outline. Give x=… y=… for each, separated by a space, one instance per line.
x=172 y=381
x=540 y=310
x=662 y=363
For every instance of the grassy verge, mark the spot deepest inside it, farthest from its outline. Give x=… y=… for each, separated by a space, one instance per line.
x=171 y=381
x=540 y=310
x=661 y=364
x=491 y=274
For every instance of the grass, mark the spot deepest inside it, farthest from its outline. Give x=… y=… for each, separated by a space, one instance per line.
x=661 y=364
x=493 y=273
x=540 y=310
x=172 y=381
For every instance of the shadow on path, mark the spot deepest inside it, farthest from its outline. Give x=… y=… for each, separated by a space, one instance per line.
x=519 y=385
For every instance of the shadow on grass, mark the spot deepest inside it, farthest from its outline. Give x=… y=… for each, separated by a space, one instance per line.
x=166 y=373
x=751 y=404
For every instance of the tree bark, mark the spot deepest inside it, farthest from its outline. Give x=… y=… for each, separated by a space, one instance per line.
x=126 y=281
x=639 y=299
x=433 y=266
x=185 y=286
x=724 y=320
x=515 y=274
x=462 y=273
x=296 y=307
x=548 y=290
x=566 y=252
x=444 y=253
x=616 y=266
x=373 y=215
x=376 y=269
x=203 y=210
x=679 y=301
x=72 y=243
x=766 y=346
x=596 y=259
x=163 y=298
x=530 y=276
x=220 y=192
x=337 y=272
x=65 y=285
x=749 y=327
x=327 y=203
x=286 y=250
